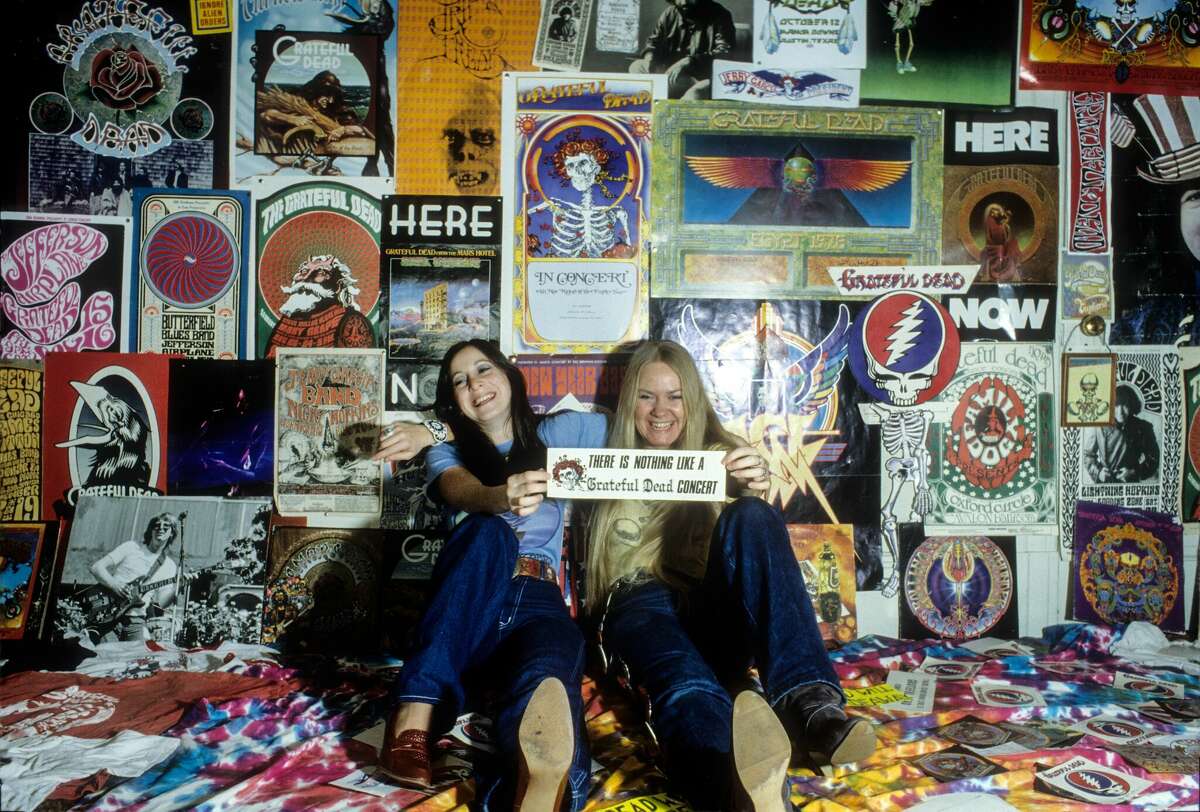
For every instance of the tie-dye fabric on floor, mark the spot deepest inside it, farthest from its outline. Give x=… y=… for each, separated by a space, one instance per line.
x=1049 y=724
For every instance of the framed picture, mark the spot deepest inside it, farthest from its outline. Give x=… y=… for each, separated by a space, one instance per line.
x=1088 y=387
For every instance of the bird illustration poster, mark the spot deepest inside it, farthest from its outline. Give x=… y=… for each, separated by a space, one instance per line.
x=312 y=90
x=328 y=406
x=743 y=81
x=190 y=291
x=1110 y=45
x=109 y=96
x=65 y=283
x=826 y=556
x=862 y=187
x=20 y=453
x=103 y=427
x=1000 y=201
x=992 y=466
x=1128 y=565
x=1136 y=462
x=317 y=269
x=577 y=184
x=777 y=375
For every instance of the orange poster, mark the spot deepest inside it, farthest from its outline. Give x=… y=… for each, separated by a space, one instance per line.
x=450 y=57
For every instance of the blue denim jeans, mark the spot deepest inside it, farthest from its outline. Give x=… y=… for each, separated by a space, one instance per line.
x=683 y=649
x=516 y=628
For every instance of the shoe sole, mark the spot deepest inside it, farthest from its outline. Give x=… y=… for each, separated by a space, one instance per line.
x=547 y=744
x=858 y=744
x=761 y=752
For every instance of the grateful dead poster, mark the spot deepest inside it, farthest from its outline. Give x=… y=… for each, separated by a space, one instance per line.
x=826 y=556
x=440 y=266
x=955 y=764
x=856 y=187
x=1137 y=461
x=1191 y=457
x=1155 y=218
x=577 y=187
x=1087 y=223
x=113 y=96
x=191 y=273
x=1147 y=47
x=993 y=463
x=1128 y=566
x=1000 y=194
x=311 y=85
x=957 y=587
x=323 y=588
x=195 y=567
x=776 y=375
x=24 y=547
x=573 y=382
x=20 y=453
x=451 y=55
x=328 y=403
x=220 y=440
x=821 y=34
x=317 y=248
x=406 y=503
x=104 y=427
x=65 y=280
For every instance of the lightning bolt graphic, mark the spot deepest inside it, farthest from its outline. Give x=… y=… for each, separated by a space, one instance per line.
x=904 y=334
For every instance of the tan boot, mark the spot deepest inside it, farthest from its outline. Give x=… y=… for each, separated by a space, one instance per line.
x=761 y=752
x=547 y=743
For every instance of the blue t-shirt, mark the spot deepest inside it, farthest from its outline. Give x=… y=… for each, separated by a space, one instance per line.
x=540 y=534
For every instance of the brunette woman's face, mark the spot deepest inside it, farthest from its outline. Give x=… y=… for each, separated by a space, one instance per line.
x=659 y=414
x=481 y=390
x=1189 y=219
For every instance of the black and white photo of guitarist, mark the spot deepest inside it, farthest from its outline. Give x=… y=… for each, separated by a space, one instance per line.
x=140 y=576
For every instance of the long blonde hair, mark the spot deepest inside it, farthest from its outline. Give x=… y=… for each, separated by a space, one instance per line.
x=702 y=429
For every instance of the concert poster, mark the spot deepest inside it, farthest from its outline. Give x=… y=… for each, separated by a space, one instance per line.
x=103 y=427
x=863 y=187
x=114 y=96
x=826 y=556
x=573 y=382
x=563 y=34
x=221 y=419
x=1190 y=357
x=1137 y=461
x=451 y=55
x=26 y=548
x=191 y=570
x=406 y=590
x=191 y=273
x=822 y=34
x=440 y=277
x=323 y=588
x=312 y=90
x=20 y=454
x=577 y=186
x=317 y=265
x=328 y=405
x=406 y=503
x=1128 y=565
x=65 y=283
x=776 y=374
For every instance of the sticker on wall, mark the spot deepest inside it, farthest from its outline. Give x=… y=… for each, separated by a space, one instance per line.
x=1086 y=285
x=318 y=266
x=112 y=97
x=958 y=587
x=312 y=87
x=1087 y=225
x=65 y=283
x=577 y=165
x=191 y=273
x=1128 y=566
x=826 y=556
x=784 y=86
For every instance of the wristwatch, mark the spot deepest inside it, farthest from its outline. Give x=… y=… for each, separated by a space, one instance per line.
x=438 y=429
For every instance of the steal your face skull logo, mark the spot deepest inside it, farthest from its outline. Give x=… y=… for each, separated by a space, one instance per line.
x=905 y=348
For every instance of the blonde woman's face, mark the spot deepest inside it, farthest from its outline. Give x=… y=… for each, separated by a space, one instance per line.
x=659 y=414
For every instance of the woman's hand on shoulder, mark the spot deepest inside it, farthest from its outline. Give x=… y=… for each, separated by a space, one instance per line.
x=748 y=467
x=526 y=491
x=402 y=441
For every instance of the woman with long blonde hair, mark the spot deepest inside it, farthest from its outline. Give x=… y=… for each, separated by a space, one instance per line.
x=691 y=594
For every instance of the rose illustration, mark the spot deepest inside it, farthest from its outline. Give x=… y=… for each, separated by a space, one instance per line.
x=124 y=79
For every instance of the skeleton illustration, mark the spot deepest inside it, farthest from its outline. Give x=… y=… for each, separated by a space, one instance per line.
x=1088 y=406
x=903 y=434
x=585 y=229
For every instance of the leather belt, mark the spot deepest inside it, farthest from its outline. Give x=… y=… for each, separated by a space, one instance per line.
x=535 y=568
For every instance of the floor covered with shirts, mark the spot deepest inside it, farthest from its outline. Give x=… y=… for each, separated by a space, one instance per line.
x=1085 y=714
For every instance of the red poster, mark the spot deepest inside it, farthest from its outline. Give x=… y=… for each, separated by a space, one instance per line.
x=1088 y=214
x=104 y=427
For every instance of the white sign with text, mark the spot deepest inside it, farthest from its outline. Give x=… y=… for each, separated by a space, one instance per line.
x=626 y=473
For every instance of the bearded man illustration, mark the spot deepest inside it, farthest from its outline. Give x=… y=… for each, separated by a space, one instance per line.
x=321 y=309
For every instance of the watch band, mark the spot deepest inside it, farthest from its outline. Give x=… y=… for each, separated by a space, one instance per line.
x=438 y=429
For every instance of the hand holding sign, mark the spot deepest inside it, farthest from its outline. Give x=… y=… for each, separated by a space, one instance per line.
x=525 y=491
x=748 y=467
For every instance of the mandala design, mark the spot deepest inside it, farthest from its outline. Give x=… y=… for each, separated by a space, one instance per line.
x=1128 y=574
x=189 y=259
x=989 y=439
x=958 y=587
